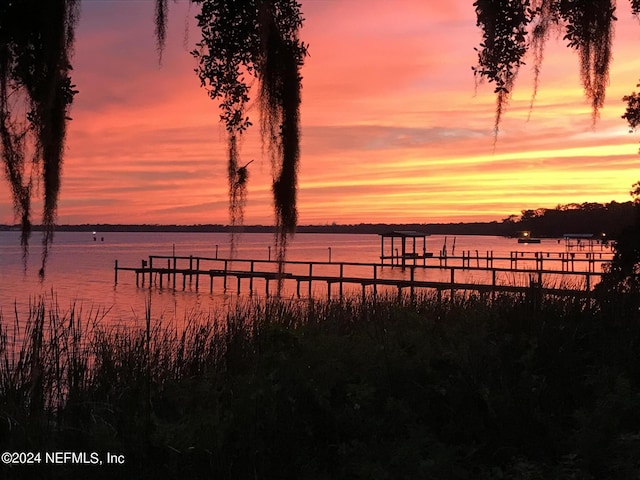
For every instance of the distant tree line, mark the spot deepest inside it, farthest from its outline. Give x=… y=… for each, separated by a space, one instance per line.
x=610 y=218
x=474 y=228
x=597 y=218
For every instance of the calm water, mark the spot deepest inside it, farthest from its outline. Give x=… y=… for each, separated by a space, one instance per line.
x=81 y=270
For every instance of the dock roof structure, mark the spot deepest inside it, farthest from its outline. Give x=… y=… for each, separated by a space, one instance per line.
x=400 y=257
x=404 y=233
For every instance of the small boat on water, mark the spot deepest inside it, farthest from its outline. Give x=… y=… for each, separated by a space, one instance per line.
x=525 y=237
x=529 y=240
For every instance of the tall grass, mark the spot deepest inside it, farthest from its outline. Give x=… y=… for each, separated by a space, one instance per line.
x=375 y=388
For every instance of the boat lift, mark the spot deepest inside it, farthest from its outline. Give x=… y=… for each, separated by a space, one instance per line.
x=583 y=242
x=404 y=255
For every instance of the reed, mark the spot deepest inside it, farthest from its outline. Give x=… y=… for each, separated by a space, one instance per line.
x=381 y=387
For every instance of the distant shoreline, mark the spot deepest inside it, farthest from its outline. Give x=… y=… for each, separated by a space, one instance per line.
x=476 y=228
x=600 y=220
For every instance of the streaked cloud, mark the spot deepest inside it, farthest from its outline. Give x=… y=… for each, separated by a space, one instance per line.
x=393 y=128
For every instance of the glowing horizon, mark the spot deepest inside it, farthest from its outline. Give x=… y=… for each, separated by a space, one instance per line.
x=393 y=130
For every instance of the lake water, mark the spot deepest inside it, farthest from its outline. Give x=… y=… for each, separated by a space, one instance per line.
x=80 y=270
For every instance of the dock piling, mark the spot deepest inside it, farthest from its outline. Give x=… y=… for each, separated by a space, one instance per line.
x=174 y=272
x=375 y=278
x=574 y=264
x=197 y=273
x=493 y=285
x=412 y=279
x=453 y=274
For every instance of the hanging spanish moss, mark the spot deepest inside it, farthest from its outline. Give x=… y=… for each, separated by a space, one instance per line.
x=258 y=38
x=224 y=55
x=504 y=29
x=13 y=155
x=36 y=41
x=589 y=30
x=160 y=19
x=237 y=193
x=545 y=18
x=282 y=57
x=238 y=178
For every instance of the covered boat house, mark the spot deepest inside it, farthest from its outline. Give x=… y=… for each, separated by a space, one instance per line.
x=401 y=250
x=583 y=241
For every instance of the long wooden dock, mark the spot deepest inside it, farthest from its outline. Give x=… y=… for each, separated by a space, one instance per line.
x=485 y=274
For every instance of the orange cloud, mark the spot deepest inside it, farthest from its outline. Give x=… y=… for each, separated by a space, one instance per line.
x=393 y=129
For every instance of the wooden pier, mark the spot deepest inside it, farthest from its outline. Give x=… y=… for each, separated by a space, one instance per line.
x=574 y=274
x=569 y=262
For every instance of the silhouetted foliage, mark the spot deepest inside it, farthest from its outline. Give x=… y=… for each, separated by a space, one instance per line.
x=589 y=217
x=590 y=31
x=632 y=113
x=280 y=110
x=36 y=40
x=162 y=9
x=384 y=388
x=504 y=28
x=539 y=35
x=258 y=38
x=623 y=274
x=507 y=36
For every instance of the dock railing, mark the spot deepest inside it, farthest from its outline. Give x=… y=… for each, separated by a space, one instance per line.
x=485 y=274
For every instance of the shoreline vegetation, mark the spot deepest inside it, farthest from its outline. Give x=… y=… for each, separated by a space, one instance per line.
x=520 y=386
x=596 y=218
x=388 y=388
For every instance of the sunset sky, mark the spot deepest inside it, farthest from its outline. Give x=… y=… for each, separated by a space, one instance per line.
x=392 y=127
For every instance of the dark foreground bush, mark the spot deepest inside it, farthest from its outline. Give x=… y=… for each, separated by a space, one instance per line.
x=380 y=389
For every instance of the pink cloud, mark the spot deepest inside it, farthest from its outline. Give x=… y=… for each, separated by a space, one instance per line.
x=391 y=127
